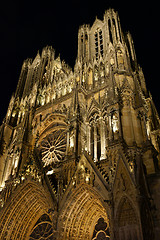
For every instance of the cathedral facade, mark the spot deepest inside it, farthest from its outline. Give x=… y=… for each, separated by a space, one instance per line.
x=80 y=149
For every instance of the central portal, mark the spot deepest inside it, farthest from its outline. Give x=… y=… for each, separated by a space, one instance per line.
x=83 y=216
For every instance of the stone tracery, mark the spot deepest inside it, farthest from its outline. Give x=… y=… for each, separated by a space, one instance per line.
x=43 y=229
x=53 y=147
x=101 y=231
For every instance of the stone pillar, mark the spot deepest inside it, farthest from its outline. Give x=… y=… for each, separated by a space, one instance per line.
x=120 y=124
x=107 y=130
x=144 y=127
x=95 y=143
x=103 y=140
x=89 y=138
x=110 y=127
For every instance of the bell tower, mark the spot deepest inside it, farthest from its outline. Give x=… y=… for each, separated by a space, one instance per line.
x=94 y=41
x=104 y=49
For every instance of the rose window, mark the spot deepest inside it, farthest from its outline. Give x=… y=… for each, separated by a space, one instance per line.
x=53 y=147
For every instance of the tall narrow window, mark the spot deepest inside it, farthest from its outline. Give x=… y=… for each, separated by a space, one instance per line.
x=130 y=54
x=98 y=43
x=110 y=32
x=115 y=29
x=119 y=28
x=101 y=42
x=82 y=38
x=82 y=45
x=86 y=45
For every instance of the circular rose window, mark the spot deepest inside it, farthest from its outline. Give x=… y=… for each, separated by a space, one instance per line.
x=53 y=147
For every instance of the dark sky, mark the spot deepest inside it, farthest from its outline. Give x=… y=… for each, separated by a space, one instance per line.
x=28 y=26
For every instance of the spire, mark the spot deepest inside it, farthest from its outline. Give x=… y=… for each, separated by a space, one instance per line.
x=37 y=58
x=38 y=55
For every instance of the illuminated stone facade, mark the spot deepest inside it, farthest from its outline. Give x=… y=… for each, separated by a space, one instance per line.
x=79 y=150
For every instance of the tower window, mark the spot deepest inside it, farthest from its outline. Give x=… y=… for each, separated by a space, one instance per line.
x=82 y=38
x=110 y=32
x=115 y=30
x=98 y=36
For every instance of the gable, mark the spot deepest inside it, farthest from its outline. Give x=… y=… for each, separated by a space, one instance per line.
x=124 y=182
x=87 y=173
x=97 y=24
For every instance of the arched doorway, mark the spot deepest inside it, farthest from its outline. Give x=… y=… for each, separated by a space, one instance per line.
x=21 y=212
x=83 y=216
x=128 y=223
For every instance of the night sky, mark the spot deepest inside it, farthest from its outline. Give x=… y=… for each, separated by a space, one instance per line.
x=28 y=26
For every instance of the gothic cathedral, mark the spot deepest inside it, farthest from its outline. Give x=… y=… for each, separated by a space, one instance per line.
x=80 y=149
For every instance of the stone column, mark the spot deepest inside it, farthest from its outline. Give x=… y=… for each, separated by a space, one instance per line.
x=107 y=130
x=95 y=143
x=103 y=140
x=89 y=138
x=120 y=124
x=110 y=127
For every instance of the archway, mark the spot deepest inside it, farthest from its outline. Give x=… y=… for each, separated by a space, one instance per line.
x=82 y=212
x=27 y=204
x=128 y=223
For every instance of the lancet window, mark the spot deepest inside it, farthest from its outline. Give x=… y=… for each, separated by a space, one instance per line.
x=98 y=36
x=84 y=45
x=114 y=28
x=96 y=139
x=110 y=32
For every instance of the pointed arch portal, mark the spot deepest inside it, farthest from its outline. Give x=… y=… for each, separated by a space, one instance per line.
x=128 y=221
x=83 y=216
x=26 y=213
